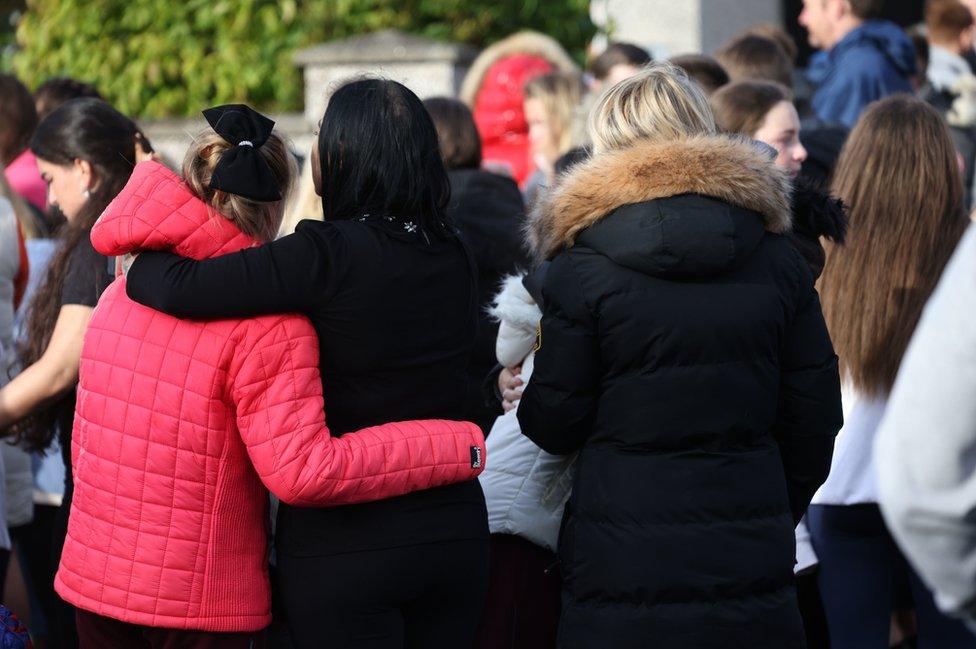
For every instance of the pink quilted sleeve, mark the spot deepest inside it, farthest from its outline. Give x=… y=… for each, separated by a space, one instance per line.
x=277 y=390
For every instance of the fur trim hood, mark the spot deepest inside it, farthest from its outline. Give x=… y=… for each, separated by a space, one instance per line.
x=527 y=42
x=728 y=169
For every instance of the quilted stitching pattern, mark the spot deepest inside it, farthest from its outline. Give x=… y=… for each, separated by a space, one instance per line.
x=180 y=425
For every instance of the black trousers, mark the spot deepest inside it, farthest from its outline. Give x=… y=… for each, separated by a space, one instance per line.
x=522 y=611
x=98 y=632
x=35 y=542
x=427 y=596
x=862 y=575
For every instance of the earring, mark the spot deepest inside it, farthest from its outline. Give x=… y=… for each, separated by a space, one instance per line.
x=86 y=193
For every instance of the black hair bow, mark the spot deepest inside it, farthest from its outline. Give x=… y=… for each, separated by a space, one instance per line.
x=242 y=170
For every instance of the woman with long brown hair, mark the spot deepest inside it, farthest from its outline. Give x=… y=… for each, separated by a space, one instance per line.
x=85 y=151
x=899 y=177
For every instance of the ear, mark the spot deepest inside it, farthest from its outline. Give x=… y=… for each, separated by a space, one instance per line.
x=966 y=39
x=85 y=173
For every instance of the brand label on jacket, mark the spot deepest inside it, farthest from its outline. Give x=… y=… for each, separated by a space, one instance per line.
x=475 y=457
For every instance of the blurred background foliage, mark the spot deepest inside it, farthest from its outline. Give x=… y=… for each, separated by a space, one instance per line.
x=10 y=14
x=159 y=58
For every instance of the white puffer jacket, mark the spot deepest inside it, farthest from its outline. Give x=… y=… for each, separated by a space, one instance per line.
x=526 y=489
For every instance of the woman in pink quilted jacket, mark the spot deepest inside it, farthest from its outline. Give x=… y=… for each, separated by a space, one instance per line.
x=180 y=425
x=391 y=290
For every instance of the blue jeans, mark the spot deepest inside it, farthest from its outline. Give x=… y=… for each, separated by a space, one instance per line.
x=863 y=576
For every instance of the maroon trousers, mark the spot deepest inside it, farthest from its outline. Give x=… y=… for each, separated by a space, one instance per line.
x=98 y=632
x=522 y=610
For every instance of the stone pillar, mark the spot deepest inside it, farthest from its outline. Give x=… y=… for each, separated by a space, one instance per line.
x=425 y=66
x=671 y=27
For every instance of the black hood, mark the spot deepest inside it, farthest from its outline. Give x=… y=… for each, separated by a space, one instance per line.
x=679 y=237
x=686 y=207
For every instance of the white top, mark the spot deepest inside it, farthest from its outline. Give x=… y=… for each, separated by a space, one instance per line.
x=48 y=474
x=852 y=479
x=945 y=68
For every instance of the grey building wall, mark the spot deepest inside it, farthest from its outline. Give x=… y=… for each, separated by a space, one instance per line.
x=671 y=27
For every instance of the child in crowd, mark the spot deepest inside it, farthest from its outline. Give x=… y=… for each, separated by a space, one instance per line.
x=526 y=490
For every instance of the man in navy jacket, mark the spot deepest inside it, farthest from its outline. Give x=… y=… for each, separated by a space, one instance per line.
x=863 y=59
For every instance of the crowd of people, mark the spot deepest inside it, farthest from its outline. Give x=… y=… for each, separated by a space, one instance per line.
x=667 y=354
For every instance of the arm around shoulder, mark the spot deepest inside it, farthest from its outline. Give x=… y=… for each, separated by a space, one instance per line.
x=277 y=390
x=293 y=273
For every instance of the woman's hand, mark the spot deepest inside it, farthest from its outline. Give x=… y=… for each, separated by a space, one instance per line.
x=510 y=386
x=54 y=373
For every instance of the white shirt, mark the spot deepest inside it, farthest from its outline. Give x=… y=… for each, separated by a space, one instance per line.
x=852 y=478
x=945 y=67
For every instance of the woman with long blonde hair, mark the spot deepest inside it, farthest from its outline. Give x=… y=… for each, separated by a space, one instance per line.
x=550 y=105
x=683 y=354
x=899 y=177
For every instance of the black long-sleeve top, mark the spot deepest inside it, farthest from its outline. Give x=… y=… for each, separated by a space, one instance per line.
x=394 y=308
x=489 y=213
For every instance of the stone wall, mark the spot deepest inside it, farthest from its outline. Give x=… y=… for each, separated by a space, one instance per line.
x=664 y=27
x=427 y=67
x=671 y=27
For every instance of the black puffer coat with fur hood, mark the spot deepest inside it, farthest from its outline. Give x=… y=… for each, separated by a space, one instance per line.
x=684 y=354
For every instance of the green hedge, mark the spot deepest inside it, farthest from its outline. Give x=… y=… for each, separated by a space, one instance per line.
x=10 y=11
x=156 y=58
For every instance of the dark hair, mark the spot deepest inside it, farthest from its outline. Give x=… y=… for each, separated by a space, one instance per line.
x=56 y=91
x=18 y=118
x=457 y=133
x=945 y=20
x=756 y=57
x=867 y=9
x=618 y=54
x=709 y=74
x=778 y=35
x=741 y=107
x=378 y=155
x=81 y=129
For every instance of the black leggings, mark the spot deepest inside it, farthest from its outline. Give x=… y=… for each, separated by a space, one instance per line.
x=862 y=573
x=426 y=596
